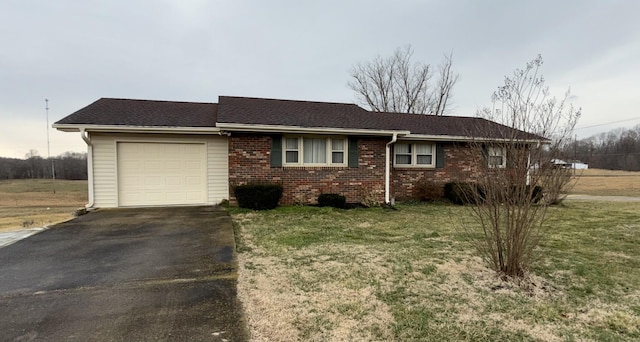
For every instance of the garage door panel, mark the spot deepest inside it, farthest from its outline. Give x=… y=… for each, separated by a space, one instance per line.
x=192 y=196
x=175 y=196
x=161 y=173
x=172 y=165
x=173 y=181
x=193 y=181
x=193 y=164
x=153 y=181
x=152 y=165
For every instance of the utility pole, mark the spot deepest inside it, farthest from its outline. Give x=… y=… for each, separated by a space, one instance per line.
x=53 y=169
x=575 y=153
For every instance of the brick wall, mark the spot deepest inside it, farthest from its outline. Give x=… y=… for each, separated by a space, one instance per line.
x=461 y=163
x=250 y=161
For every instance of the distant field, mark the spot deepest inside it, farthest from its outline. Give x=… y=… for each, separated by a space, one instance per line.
x=607 y=183
x=30 y=203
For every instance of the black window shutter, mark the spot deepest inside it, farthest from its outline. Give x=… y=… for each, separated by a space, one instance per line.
x=353 y=152
x=485 y=155
x=276 y=150
x=439 y=156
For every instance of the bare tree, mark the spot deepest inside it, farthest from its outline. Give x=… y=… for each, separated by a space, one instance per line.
x=396 y=84
x=518 y=180
x=618 y=149
x=69 y=165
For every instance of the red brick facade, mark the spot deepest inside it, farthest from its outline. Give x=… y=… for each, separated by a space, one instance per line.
x=250 y=161
x=461 y=163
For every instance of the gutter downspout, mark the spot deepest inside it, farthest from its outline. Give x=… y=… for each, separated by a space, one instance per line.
x=528 y=182
x=387 y=170
x=87 y=140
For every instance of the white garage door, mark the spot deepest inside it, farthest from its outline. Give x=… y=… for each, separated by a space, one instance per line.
x=161 y=174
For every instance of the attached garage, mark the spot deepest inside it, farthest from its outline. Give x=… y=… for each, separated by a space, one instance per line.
x=139 y=170
x=161 y=173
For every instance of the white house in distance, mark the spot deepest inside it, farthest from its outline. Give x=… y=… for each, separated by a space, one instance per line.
x=575 y=164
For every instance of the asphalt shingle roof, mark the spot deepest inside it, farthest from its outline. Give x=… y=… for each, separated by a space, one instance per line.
x=342 y=115
x=260 y=111
x=126 y=112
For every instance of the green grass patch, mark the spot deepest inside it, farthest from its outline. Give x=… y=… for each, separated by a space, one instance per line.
x=416 y=265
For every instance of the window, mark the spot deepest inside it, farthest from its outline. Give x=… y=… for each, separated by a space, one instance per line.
x=337 y=151
x=414 y=154
x=496 y=157
x=315 y=151
x=403 y=154
x=424 y=154
x=291 y=150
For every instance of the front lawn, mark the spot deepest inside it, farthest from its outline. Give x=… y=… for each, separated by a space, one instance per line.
x=325 y=274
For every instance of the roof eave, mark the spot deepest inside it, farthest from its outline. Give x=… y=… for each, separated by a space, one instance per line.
x=460 y=138
x=135 y=129
x=236 y=127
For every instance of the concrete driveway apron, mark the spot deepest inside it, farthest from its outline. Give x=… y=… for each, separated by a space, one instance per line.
x=153 y=274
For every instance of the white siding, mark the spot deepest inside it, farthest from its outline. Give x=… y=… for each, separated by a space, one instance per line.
x=105 y=164
x=105 y=185
x=218 y=169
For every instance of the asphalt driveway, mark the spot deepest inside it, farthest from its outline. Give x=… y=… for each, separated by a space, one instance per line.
x=153 y=274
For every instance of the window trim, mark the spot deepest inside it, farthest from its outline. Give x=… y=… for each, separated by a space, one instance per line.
x=329 y=150
x=491 y=153
x=414 y=156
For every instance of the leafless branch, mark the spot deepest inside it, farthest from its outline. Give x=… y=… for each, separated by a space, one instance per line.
x=512 y=199
x=396 y=84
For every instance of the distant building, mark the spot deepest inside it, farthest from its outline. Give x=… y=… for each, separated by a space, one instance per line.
x=574 y=164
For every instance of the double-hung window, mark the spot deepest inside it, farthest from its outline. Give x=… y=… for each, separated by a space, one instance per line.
x=496 y=157
x=337 y=151
x=414 y=154
x=314 y=151
x=291 y=151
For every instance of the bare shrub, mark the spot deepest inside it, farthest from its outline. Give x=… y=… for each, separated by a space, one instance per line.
x=371 y=196
x=516 y=167
x=559 y=182
x=428 y=190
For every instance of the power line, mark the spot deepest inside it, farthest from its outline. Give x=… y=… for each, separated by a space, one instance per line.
x=612 y=154
x=608 y=123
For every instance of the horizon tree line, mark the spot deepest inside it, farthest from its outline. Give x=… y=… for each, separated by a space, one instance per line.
x=68 y=166
x=618 y=149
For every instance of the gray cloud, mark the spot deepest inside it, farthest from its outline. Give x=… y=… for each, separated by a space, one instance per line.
x=75 y=52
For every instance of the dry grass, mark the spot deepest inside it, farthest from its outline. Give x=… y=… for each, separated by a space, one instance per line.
x=318 y=274
x=33 y=203
x=607 y=183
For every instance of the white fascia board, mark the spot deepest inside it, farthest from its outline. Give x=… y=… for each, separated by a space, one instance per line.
x=136 y=129
x=455 y=138
x=233 y=127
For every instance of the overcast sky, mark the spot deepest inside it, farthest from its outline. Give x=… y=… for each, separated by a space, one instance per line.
x=75 y=52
